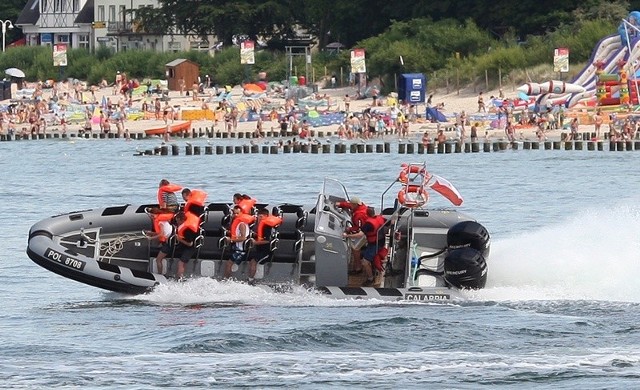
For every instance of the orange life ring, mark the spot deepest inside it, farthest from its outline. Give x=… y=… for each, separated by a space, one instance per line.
x=418 y=198
x=408 y=169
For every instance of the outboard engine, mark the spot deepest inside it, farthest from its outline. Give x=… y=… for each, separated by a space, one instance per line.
x=465 y=268
x=465 y=263
x=469 y=234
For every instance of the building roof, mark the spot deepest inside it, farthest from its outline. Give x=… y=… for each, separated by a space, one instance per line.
x=85 y=16
x=179 y=61
x=29 y=14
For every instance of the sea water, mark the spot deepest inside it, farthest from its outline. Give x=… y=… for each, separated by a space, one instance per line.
x=561 y=307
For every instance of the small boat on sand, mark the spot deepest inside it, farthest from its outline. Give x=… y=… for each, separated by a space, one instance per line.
x=173 y=129
x=430 y=254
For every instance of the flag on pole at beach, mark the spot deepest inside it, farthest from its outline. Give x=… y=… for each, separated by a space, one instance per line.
x=446 y=189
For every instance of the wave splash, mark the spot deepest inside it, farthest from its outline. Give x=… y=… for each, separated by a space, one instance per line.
x=592 y=255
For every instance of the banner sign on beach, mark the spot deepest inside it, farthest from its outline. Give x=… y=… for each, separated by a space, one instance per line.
x=60 y=54
x=357 y=61
x=561 y=60
x=246 y=53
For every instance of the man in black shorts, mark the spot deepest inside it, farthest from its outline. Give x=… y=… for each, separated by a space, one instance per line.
x=261 y=243
x=188 y=230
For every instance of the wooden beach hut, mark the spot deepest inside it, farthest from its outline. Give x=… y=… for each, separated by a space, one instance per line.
x=181 y=68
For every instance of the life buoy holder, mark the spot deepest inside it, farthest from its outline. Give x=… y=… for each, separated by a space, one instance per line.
x=412 y=196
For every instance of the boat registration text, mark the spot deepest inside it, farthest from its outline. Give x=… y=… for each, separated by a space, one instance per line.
x=65 y=260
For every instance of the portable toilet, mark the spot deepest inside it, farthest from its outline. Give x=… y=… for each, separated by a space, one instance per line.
x=412 y=88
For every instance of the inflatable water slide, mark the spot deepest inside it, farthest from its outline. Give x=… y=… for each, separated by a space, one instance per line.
x=611 y=51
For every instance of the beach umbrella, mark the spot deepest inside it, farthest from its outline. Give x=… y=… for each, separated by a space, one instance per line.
x=14 y=72
x=253 y=88
x=95 y=118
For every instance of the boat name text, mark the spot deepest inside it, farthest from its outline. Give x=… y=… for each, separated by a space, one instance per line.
x=426 y=297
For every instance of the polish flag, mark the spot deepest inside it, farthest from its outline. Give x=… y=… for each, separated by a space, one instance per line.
x=446 y=189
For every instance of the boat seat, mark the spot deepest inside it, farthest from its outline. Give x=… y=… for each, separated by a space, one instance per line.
x=217 y=218
x=293 y=220
x=213 y=248
x=287 y=251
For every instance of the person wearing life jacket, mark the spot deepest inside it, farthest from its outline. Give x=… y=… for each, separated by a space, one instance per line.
x=167 y=199
x=163 y=229
x=186 y=234
x=188 y=228
x=358 y=212
x=194 y=201
x=245 y=202
x=240 y=229
x=264 y=229
x=373 y=230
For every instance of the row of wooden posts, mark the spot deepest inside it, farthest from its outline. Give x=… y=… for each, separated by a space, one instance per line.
x=403 y=148
x=193 y=133
x=207 y=133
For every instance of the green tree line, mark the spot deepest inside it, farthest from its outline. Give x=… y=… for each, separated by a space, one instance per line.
x=441 y=48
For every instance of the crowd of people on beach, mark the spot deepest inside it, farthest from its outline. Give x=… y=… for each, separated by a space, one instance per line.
x=75 y=106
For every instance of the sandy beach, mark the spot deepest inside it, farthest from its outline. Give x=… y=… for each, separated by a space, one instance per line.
x=454 y=103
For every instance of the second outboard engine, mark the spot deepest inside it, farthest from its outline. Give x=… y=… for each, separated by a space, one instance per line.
x=465 y=263
x=465 y=268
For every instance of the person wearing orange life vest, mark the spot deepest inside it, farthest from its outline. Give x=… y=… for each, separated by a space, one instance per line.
x=240 y=229
x=167 y=199
x=195 y=201
x=188 y=230
x=265 y=224
x=245 y=202
x=186 y=233
x=358 y=212
x=373 y=230
x=163 y=229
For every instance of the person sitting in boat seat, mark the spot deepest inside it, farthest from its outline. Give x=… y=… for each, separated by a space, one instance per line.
x=263 y=241
x=167 y=199
x=373 y=230
x=239 y=239
x=195 y=201
x=358 y=211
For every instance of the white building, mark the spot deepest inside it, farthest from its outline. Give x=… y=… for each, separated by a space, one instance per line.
x=46 y=22
x=94 y=23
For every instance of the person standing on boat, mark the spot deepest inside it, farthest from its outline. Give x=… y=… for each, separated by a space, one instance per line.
x=188 y=230
x=239 y=234
x=194 y=201
x=163 y=230
x=167 y=199
x=358 y=212
x=264 y=229
x=373 y=230
x=245 y=202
